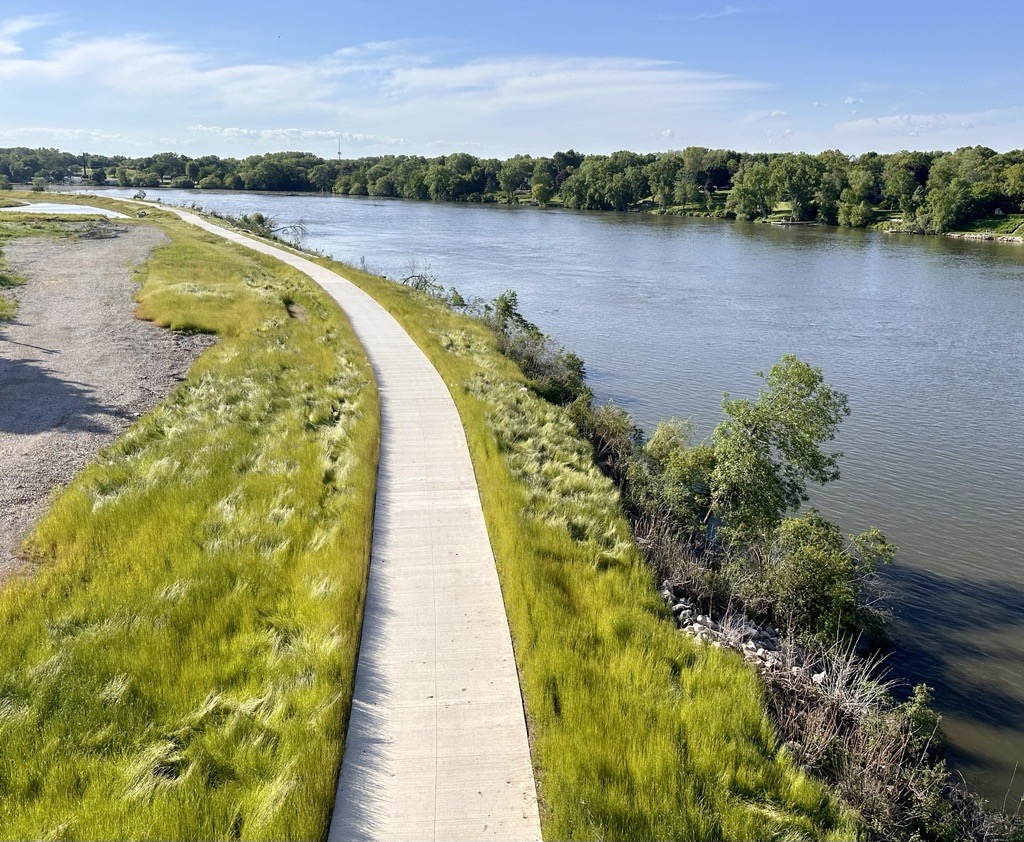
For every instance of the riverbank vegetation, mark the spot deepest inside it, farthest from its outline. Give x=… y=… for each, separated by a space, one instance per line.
x=972 y=189
x=720 y=524
x=180 y=665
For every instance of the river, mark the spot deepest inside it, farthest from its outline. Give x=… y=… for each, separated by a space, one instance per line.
x=925 y=335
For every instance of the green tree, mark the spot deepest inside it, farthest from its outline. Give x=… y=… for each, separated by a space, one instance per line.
x=946 y=206
x=440 y=181
x=768 y=449
x=542 y=185
x=513 y=175
x=833 y=166
x=795 y=179
x=855 y=210
x=753 y=191
x=900 y=185
x=322 y=176
x=662 y=174
x=5 y=183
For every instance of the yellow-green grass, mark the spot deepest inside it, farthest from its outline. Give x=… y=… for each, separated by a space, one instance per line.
x=181 y=664
x=637 y=732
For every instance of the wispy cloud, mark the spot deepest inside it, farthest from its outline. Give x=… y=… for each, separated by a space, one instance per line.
x=299 y=135
x=49 y=135
x=12 y=27
x=1007 y=120
x=852 y=100
x=721 y=13
x=540 y=80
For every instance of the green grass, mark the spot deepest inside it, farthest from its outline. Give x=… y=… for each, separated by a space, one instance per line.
x=1004 y=225
x=181 y=664
x=637 y=731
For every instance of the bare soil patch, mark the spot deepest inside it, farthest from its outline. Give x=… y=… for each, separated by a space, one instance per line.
x=76 y=367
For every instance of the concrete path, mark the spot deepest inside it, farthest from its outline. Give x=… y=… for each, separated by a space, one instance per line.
x=437 y=745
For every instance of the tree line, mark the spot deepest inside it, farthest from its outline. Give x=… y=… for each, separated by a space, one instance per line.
x=929 y=192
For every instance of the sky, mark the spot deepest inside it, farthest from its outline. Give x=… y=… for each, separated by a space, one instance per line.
x=421 y=77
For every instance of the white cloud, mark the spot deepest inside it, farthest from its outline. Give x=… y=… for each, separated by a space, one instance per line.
x=767 y=114
x=852 y=100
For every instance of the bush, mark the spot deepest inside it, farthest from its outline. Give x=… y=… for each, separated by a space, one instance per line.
x=805 y=578
x=556 y=374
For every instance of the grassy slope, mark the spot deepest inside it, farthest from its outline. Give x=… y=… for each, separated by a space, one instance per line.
x=637 y=732
x=181 y=666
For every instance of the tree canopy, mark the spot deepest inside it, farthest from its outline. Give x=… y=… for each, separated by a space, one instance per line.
x=921 y=191
x=768 y=449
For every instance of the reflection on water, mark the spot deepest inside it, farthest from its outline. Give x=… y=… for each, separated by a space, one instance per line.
x=924 y=334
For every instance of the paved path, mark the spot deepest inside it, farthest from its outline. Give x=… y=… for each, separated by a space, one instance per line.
x=436 y=745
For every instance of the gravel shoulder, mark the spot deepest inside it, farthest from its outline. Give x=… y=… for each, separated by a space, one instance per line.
x=76 y=367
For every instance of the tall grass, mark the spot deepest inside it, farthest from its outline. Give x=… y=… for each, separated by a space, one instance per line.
x=181 y=666
x=637 y=731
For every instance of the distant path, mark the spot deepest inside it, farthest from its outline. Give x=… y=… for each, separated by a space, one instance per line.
x=436 y=745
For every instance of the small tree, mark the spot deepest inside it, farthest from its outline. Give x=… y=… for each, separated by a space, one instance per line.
x=767 y=450
x=5 y=183
x=38 y=184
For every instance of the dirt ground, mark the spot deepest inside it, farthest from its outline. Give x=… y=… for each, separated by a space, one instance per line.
x=76 y=368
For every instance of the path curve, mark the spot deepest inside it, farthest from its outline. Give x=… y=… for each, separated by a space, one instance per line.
x=437 y=745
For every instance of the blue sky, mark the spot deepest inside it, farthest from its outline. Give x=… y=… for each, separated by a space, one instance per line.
x=495 y=79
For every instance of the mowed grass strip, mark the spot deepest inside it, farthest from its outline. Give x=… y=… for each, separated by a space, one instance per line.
x=181 y=665
x=637 y=731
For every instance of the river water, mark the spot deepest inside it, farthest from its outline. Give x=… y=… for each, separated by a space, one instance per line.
x=925 y=335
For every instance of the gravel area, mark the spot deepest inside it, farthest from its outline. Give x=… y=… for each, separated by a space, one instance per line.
x=76 y=368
